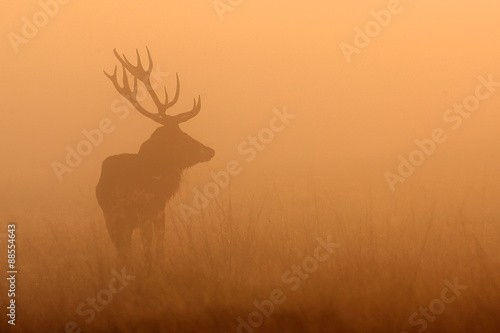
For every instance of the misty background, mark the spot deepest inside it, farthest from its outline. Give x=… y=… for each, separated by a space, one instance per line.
x=322 y=175
x=353 y=120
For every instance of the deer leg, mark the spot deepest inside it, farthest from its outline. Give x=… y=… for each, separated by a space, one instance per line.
x=120 y=234
x=147 y=239
x=124 y=245
x=159 y=226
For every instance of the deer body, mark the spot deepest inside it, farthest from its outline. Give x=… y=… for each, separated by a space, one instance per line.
x=134 y=188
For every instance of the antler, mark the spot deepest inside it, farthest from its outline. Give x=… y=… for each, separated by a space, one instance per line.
x=142 y=74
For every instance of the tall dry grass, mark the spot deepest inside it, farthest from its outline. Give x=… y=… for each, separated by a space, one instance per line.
x=395 y=253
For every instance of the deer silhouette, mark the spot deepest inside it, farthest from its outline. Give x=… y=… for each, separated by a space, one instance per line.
x=134 y=188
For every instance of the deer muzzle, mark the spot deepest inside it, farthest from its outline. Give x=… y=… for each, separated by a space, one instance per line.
x=206 y=154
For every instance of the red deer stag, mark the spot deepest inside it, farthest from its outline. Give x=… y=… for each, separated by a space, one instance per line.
x=134 y=188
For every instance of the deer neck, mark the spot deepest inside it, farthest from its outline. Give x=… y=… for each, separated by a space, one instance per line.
x=160 y=169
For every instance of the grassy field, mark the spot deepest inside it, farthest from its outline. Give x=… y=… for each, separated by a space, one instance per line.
x=394 y=255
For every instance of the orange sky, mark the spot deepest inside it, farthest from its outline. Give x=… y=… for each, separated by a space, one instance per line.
x=263 y=55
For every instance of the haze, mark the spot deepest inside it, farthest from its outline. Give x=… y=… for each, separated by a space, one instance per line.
x=326 y=172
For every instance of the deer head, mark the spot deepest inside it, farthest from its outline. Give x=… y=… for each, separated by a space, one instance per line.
x=169 y=147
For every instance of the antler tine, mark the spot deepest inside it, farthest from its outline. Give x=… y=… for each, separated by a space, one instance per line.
x=168 y=104
x=165 y=104
x=139 y=63
x=130 y=67
x=182 y=117
x=131 y=95
x=177 y=91
x=135 y=86
x=138 y=69
x=125 y=62
x=126 y=86
x=111 y=76
x=150 y=60
x=114 y=80
x=143 y=74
